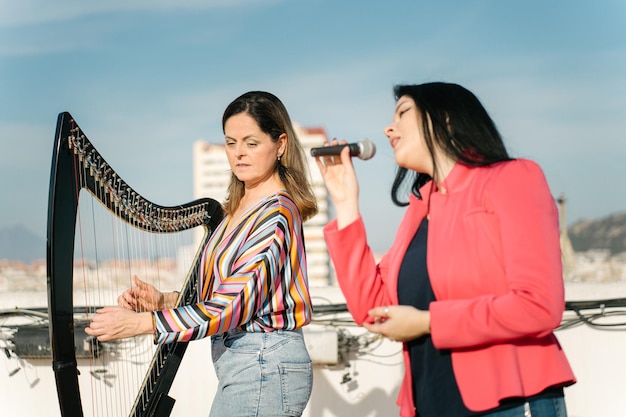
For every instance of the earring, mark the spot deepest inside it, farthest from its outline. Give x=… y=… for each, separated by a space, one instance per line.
x=279 y=156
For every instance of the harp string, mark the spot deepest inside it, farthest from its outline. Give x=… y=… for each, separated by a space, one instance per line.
x=109 y=253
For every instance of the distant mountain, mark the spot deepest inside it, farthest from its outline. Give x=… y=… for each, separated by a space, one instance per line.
x=605 y=233
x=17 y=243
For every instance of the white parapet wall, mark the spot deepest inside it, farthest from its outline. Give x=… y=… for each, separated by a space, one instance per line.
x=355 y=374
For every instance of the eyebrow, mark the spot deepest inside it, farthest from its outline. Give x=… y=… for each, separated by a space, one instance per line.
x=400 y=103
x=247 y=137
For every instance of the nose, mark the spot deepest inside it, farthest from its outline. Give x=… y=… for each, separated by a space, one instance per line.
x=388 y=131
x=240 y=149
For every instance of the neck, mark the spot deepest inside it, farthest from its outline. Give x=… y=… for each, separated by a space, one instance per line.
x=260 y=190
x=444 y=167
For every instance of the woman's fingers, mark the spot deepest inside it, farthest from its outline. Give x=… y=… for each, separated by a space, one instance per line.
x=112 y=323
x=139 y=282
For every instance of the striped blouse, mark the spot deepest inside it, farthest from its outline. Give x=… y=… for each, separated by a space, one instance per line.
x=255 y=277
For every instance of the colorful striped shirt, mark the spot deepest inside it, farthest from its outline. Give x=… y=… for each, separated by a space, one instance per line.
x=255 y=277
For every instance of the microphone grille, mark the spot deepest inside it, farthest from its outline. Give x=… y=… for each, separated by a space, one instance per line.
x=367 y=149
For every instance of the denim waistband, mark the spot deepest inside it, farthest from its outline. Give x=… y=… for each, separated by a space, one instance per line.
x=550 y=392
x=238 y=330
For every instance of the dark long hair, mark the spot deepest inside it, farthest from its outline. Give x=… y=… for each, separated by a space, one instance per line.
x=453 y=120
x=272 y=117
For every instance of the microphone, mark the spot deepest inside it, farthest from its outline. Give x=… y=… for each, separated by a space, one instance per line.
x=363 y=149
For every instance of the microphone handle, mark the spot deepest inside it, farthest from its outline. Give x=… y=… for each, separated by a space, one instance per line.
x=335 y=150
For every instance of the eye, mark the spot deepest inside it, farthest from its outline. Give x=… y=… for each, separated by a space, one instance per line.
x=401 y=112
x=252 y=144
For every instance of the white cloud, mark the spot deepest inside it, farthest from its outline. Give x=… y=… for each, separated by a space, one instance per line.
x=33 y=12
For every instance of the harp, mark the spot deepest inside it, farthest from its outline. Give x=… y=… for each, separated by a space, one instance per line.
x=77 y=166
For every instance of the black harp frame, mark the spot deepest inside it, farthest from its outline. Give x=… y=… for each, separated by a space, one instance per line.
x=73 y=153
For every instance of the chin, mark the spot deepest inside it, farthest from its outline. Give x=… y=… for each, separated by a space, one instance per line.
x=400 y=161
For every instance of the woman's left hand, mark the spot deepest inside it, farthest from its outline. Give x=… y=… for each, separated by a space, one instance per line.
x=112 y=323
x=399 y=323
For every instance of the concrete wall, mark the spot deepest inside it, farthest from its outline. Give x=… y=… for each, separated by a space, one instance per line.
x=365 y=385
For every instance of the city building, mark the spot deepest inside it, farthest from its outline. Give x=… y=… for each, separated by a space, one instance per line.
x=567 y=251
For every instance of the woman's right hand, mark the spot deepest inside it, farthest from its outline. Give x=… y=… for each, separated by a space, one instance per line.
x=142 y=297
x=341 y=183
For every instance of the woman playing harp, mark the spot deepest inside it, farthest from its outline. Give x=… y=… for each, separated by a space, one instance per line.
x=254 y=296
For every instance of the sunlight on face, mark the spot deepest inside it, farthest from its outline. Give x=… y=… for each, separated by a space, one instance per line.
x=251 y=153
x=407 y=139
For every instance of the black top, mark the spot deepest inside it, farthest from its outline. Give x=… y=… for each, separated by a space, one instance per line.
x=435 y=391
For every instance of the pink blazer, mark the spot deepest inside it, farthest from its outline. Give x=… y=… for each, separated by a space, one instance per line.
x=494 y=262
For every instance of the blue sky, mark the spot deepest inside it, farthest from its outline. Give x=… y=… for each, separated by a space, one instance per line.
x=145 y=79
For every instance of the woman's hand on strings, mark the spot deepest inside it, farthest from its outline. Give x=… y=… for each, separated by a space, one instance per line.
x=113 y=323
x=142 y=297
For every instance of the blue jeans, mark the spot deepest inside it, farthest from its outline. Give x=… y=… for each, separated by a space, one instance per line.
x=542 y=407
x=261 y=374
